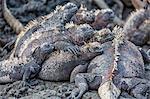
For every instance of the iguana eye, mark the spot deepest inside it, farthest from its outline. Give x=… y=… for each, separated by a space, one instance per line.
x=96 y=48
x=70 y=5
x=47 y=45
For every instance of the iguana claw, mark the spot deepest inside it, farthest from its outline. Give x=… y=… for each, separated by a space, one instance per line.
x=73 y=49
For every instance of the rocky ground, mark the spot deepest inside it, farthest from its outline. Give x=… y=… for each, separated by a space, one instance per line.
x=42 y=90
x=45 y=89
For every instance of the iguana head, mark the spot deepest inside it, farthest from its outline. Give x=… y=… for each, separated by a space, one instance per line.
x=95 y=47
x=83 y=16
x=106 y=15
x=46 y=48
x=81 y=33
x=42 y=52
x=91 y=50
x=69 y=10
x=103 y=35
x=92 y=47
x=103 y=18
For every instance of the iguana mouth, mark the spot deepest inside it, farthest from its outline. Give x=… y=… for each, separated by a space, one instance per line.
x=109 y=15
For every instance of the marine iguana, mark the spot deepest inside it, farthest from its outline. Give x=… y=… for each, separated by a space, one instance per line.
x=20 y=68
x=98 y=19
x=51 y=29
x=59 y=65
x=53 y=22
x=47 y=29
x=137 y=27
x=119 y=68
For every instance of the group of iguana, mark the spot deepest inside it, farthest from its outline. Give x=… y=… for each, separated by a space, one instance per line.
x=75 y=44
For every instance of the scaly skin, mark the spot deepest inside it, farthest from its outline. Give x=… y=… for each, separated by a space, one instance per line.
x=120 y=67
x=98 y=19
x=59 y=65
x=44 y=30
x=137 y=27
x=13 y=22
x=22 y=68
x=45 y=27
x=51 y=29
x=83 y=16
x=40 y=28
x=38 y=31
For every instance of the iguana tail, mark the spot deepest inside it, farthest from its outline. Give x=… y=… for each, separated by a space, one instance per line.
x=11 y=20
x=8 y=70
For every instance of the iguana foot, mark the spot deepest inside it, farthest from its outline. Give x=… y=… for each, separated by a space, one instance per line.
x=146 y=55
x=75 y=94
x=29 y=71
x=77 y=70
x=25 y=84
x=73 y=49
x=85 y=81
x=137 y=87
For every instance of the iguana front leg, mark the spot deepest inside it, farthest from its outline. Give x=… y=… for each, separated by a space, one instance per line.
x=146 y=55
x=78 y=69
x=85 y=81
x=137 y=87
x=29 y=71
x=32 y=68
x=65 y=46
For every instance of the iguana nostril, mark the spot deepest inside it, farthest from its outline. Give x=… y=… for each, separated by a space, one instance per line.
x=47 y=45
x=111 y=13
